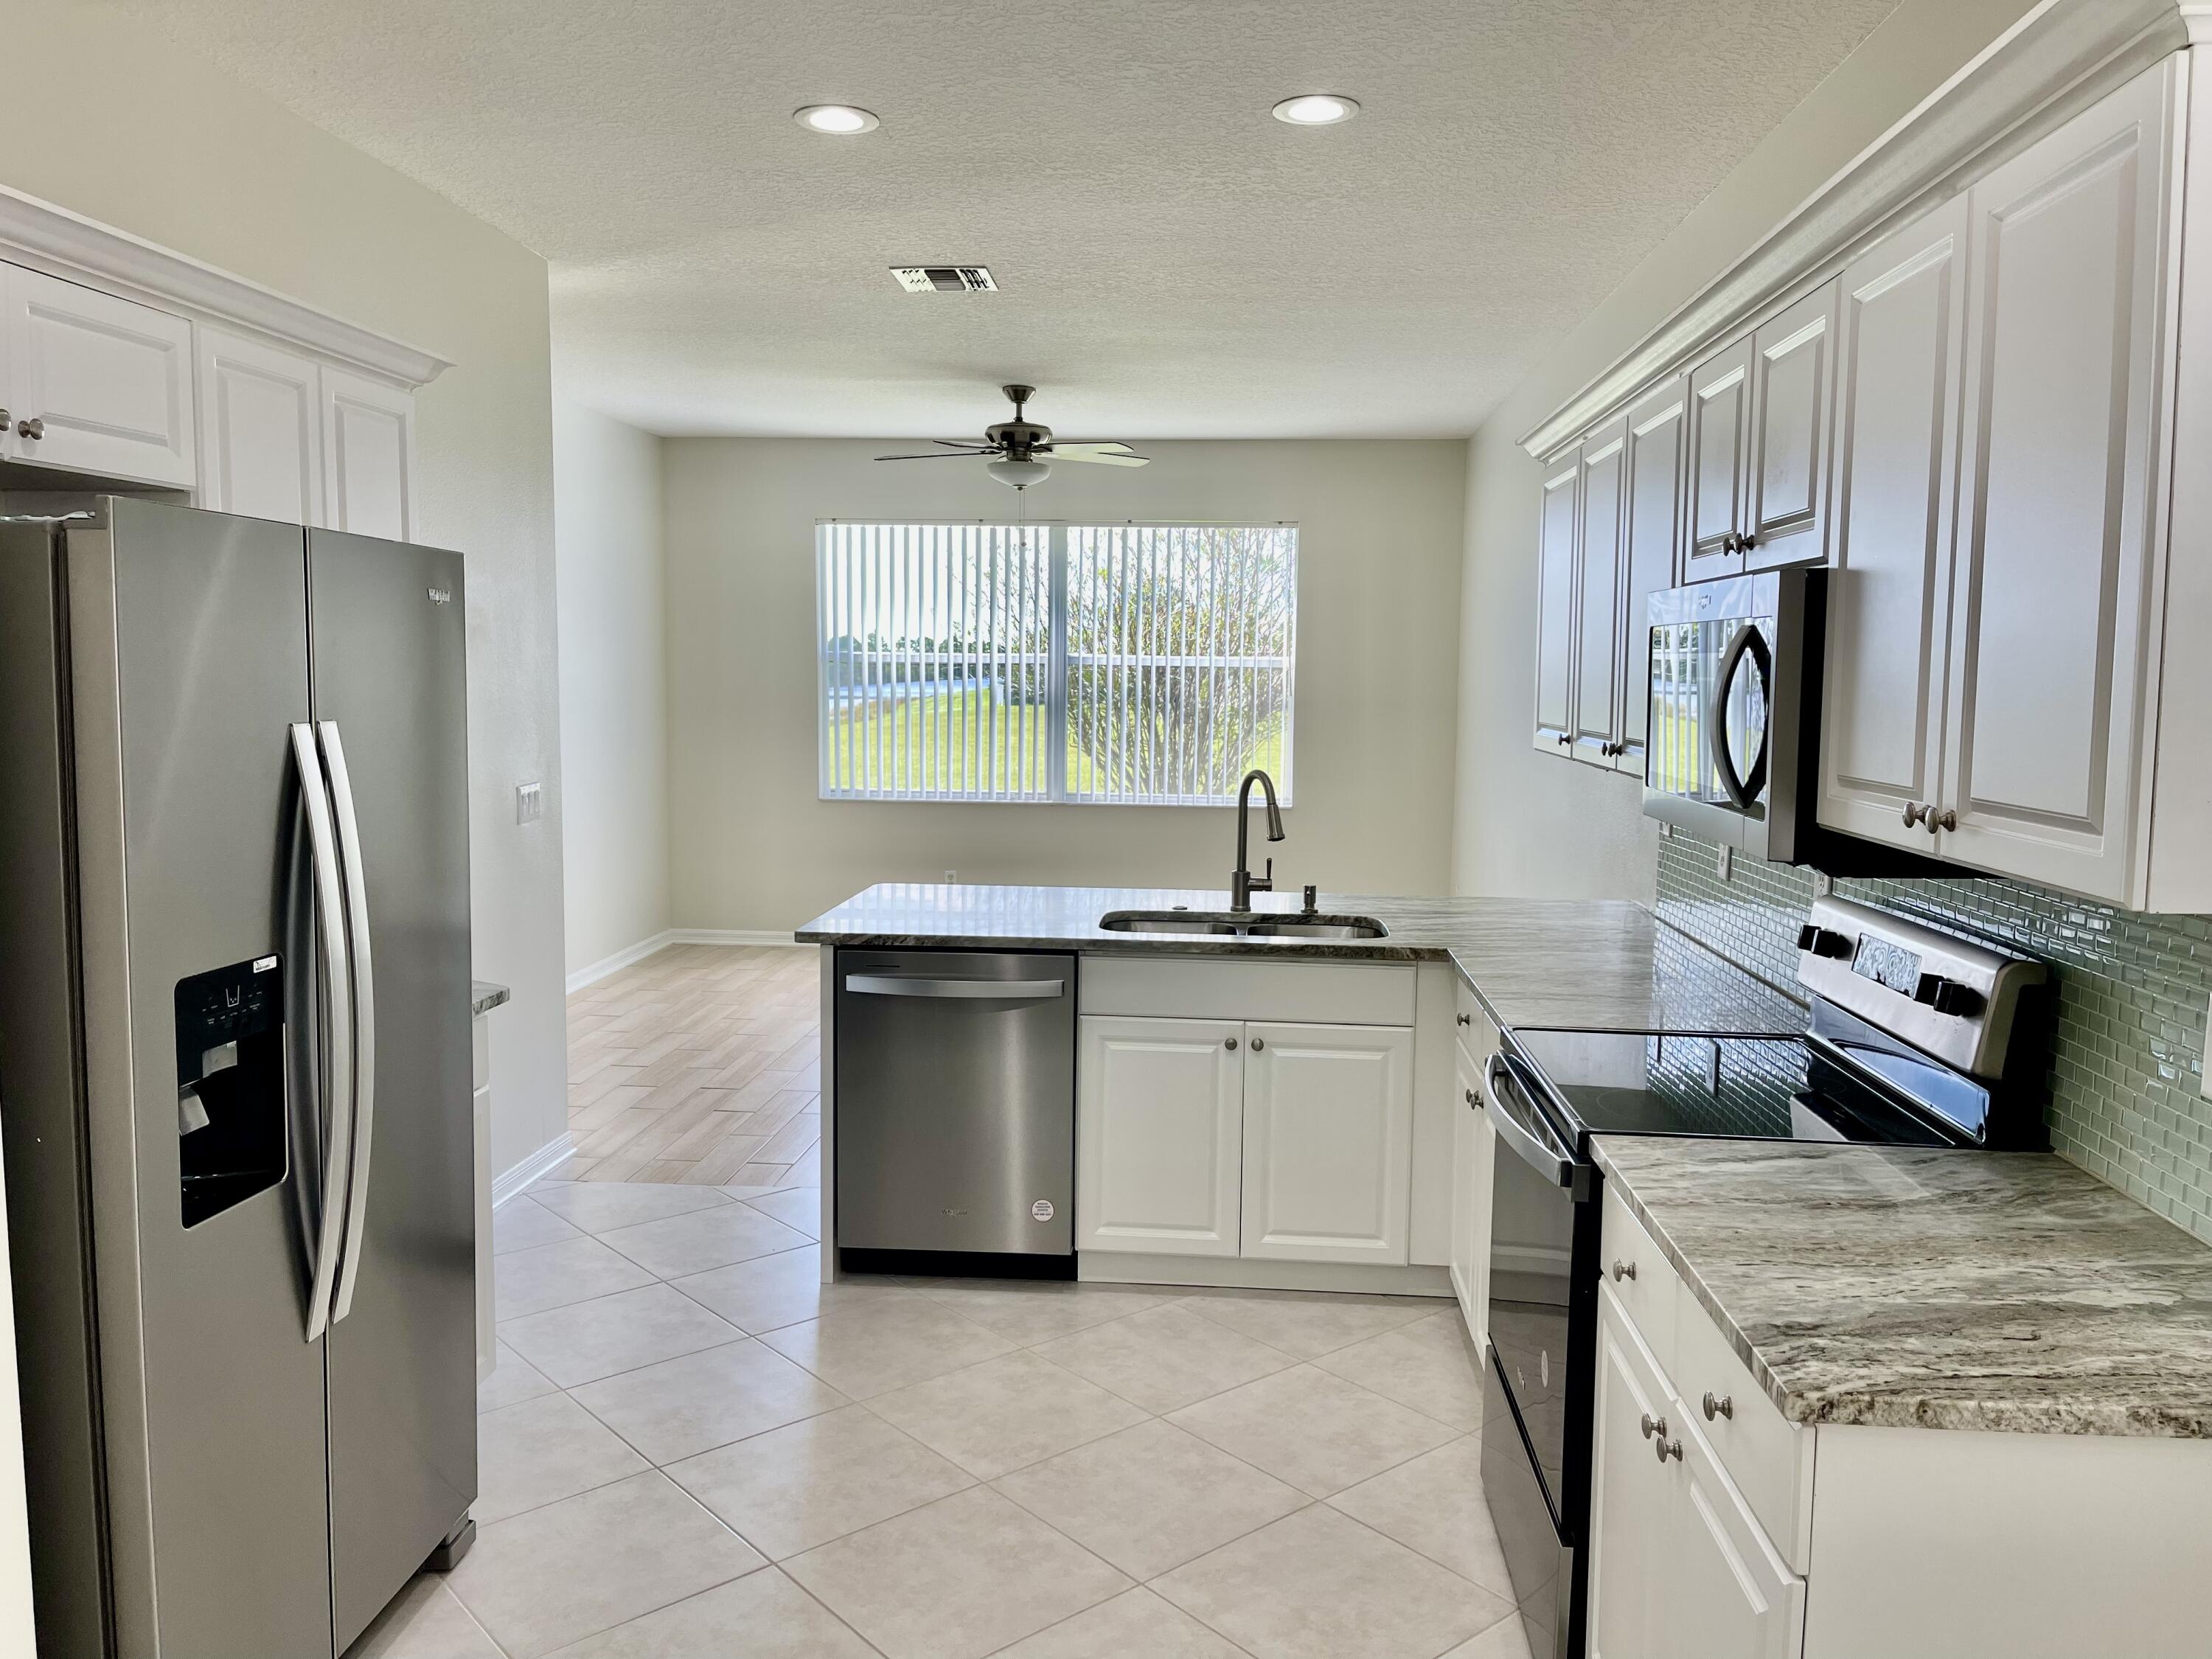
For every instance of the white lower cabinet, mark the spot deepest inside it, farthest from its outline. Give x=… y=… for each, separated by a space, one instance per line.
x=1678 y=1567
x=1159 y=1121
x=1229 y=1138
x=1474 y=1146
x=1328 y=1130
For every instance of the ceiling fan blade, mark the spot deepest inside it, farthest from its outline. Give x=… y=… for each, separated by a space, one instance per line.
x=1060 y=446
x=965 y=443
x=1099 y=455
x=940 y=455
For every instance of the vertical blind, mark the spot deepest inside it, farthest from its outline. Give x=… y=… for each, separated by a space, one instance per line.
x=1124 y=664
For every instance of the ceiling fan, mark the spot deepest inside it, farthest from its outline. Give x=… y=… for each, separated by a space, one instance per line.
x=1024 y=450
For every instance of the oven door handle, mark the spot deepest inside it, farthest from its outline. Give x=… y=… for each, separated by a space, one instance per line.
x=1744 y=787
x=1498 y=1076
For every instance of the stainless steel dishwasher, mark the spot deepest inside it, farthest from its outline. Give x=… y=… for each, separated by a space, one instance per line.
x=954 y=1080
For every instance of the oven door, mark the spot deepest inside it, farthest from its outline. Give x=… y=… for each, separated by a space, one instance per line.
x=1542 y=1309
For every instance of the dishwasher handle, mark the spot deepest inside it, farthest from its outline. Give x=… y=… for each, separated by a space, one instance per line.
x=992 y=990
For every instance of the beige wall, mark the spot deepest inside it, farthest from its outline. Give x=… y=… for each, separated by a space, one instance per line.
x=614 y=692
x=1530 y=823
x=752 y=846
x=107 y=117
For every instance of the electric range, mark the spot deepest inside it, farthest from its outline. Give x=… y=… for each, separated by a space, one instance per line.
x=1915 y=1038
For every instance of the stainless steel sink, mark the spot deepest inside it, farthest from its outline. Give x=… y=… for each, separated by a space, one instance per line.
x=1251 y=925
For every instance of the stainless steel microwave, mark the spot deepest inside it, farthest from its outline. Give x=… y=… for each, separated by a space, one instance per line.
x=1734 y=753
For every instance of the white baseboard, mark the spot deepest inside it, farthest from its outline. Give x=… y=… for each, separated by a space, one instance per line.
x=621 y=959
x=548 y=1157
x=729 y=936
x=1259 y=1273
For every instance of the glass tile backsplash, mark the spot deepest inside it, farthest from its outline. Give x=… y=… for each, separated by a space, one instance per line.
x=2128 y=1052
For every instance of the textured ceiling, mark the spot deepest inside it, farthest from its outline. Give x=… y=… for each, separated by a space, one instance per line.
x=1176 y=264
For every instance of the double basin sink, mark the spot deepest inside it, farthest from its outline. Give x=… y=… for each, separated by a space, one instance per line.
x=1230 y=924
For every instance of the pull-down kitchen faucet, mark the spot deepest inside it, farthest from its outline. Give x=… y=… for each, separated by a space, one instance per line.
x=1242 y=883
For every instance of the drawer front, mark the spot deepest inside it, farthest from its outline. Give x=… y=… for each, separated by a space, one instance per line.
x=1768 y=1457
x=1304 y=992
x=1642 y=1278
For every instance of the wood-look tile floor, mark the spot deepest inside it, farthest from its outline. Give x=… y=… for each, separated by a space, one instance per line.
x=702 y=1064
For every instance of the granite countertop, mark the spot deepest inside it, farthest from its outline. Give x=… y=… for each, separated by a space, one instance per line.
x=1585 y=963
x=1910 y=1287
x=485 y=996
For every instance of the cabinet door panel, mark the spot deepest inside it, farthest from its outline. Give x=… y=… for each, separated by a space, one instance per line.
x=1722 y=1592
x=1720 y=431
x=1329 y=1118
x=1555 y=603
x=1597 y=596
x=1791 y=358
x=1632 y=1496
x=368 y=457
x=1651 y=542
x=261 y=422
x=2053 y=585
x=109 y=379
x=1899 y=339
x=1159 y=1129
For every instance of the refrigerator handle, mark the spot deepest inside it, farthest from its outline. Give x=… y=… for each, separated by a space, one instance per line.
x=330 y=914
x=364 y=1012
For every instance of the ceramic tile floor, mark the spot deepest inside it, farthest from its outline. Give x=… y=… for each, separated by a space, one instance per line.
x=692 y=1448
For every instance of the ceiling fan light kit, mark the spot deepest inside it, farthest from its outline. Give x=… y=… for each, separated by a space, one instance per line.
x=1021 y=452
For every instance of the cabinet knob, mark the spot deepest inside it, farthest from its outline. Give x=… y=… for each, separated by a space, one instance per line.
x=1935 y=821
x=1472 y=1098
x=33 y=427
x=1914 y=812
x=1654 y=1426
x=1258 y=1043
x=1724 y=1406
x=3 y=420
x=1666 y=1447
x=1746 y=542
x=1229 y=1043
x=1464 y=1019
x=1623 y=1270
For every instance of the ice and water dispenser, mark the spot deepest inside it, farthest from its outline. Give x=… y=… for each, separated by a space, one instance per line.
x=230 y=1085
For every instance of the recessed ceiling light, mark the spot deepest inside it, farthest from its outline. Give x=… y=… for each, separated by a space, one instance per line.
x=841 y=120
x=1316 y=109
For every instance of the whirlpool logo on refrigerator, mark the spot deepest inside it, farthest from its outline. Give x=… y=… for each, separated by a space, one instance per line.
x=440 y=595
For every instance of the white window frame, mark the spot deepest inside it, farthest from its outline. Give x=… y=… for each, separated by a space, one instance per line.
x=1057 y=666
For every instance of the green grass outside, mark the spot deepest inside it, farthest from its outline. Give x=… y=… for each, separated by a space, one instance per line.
x=952 y=742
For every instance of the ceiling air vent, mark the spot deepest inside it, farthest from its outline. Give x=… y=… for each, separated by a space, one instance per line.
x=945 y=279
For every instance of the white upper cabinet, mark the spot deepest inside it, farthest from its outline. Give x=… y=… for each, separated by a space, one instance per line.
x=1719 y=458
x=95 y=384
x=1159 y=1133
x=261 y=425
x=1555 y=603
x=1651 y=544
x=368 y=449
x=1598 y=619
x=1897 y=346
x=1785 y=519
x=2055 y=589
x=1328 y=1128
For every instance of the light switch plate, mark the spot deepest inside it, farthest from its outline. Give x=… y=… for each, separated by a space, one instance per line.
x=529 y=803
x=1823 y=884
x=1724 y=862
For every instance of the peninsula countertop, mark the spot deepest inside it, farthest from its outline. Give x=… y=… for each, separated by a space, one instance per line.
x=1583 y=964
x=1910 y=1287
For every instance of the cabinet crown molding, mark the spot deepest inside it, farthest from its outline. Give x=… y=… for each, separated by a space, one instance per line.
x=70 y=245
x=2060 y=50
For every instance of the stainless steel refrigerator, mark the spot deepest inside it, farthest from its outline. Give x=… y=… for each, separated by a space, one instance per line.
x=234 y=1074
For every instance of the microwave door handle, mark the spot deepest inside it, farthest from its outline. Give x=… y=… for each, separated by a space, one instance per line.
x=364 y=1013
x=1743 y=788
x=337 y=1048
x=1499 y=1081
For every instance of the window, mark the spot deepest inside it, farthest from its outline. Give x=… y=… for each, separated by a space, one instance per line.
x=1136 y=665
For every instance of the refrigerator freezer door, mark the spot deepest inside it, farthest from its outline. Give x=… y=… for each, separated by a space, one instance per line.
x=388 y=629
x=190 y=645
